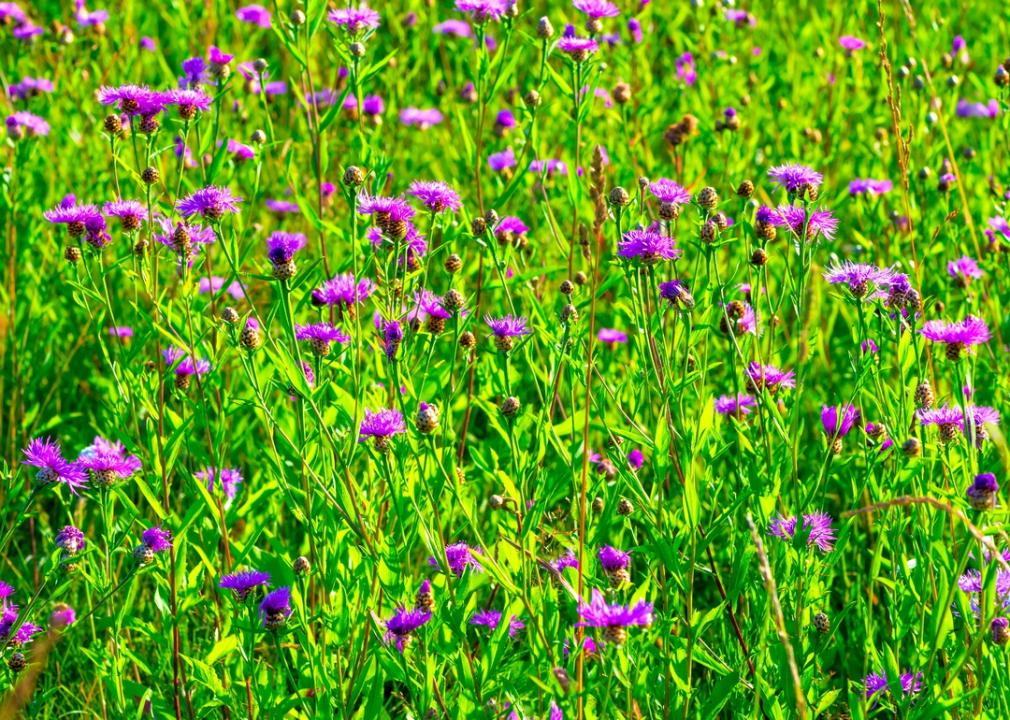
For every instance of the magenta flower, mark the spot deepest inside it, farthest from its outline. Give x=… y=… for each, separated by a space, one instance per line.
x=610 y=336
x=770 y=377
x=863 y=281
x=502 y=160
x=794 y=176
x=491 y=619
x=738 y=406
x=188 y=101
x=229 y=478
x=507 y=326
x=131 y=213
x=275 y=608
x=157 y=539
x=484 y=10
x=421 y=118
x=459 y=557
x=343 y=291
x=578 y=49
x=382 y=423
x=816 y=526
x=132 y=99
x=70 y=539
x=354 y=20
x=957 y=336
x=320 y=336
x=851 y=43
x=667 y=191
x=436 y=196
x=596 y=9
x=614 y=618
x=870 y=187
x=403 y=624
x=818 y=222
x=967 y=109
x=244 y=582
x=647 y=247
x=838 y=425
x=282 y=246
x=254 y=15
x=612 y=559
x=686 y=69
x=22 y=123
x=211 y=202
x=107 y=462
x=964 y=269
x=875 y=683
x=45 y=454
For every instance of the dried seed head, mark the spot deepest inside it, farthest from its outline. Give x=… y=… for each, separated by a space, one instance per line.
x=924 y=397
x=567 y=287
x=17 y=662
x=759 y=258
x=113 y=124
x=354 y=176
x=597 y=505
x=580 y=278
x=453 y=300
x=569 y=315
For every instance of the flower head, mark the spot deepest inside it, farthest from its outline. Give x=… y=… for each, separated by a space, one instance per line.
x=667 y=191
x=421 y=118
x=254 y=15
x=862 y=280
x=354 y=20
x=45 y=454
x=507 y=326
x=796 y=218
x=25 y=123
x=130 y=213
x=578 y=49
x=769 y=377
x=70 y=539
x=614 y=618
x=382 y=423
x=794 y=176
x=244 y=582
x=229 y=478
x=502 y=160
x=738 y=406
x=957 y=336
x=211 y=202
x=612 y=559
x=436 y=196
x=282 y=246
x=964 y=270
x=869 y=186
x=911 y=683
x=982 y=492
x=647 y=247
x=343 y=291
x=458 y=558
x=157 y=539
x=107 y=462
x=851 y=43
x=596 y=9
x=837 y=422
x=403 y=624
x=816 y=526
x=492 y=618
x=321 y=335
x=275 y=608
x=484 y=10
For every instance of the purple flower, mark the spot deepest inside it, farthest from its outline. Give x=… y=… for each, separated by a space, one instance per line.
x=862 y=280
x=676 y=292
x=737 y=407
x=342 y=291
x=578 y=49
x=70 y=539
x=354 y=20
x=321 y=335
x=818 y=222
x=282 y=246
x=436 y=196
x=740 y=18
x=635 y=29
x=382 y=423
x=957 y=336
x=148 y=44
x=982 y=492
x=502 y=160
x=507 y=326
x=21 y=123
x=45 y=454
x=388 y=211
x=667 y=191
x=877 y=682
x=25 y=633
x=598 y=613
x=230 y=478
x=76 y=217
x=964 y=269
x=422 y=119
x=636 y=459
x=484 y=10
x=505 y=119
x=568 y=559
x=282 y=206
x=610 y=336
x=458 y=28
x=967 y=109
x=133 y=100
x=794 y=176
x=686 y=69
x=550 y=166
x=275 y=608
x=509 y=228
x=835 y=426
x=816 y=527
x=769 y=377
x=107 y=462
x=187 y=367
x=131 y=213
x=62 y=616
x=244 y=582
x=851 y=43
x=89 y=18
x=157 y=539
x=211 y=202
x=596 y=9
x=869 y=186
x=458 y=558
x=492 y=618
x=647 y=247
x=392 y=336
x=254 y=15
x=403 y=624
x=239 y=152
x=612 y=559
x=188 y=101
x=29 y=87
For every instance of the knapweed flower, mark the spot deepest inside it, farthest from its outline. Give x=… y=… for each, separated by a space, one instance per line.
x=616 y=564
x=45 y=454
x=229 y=478
x=669 y=192
x=816 y=527
x=862 y=280
x=70 y=540
x=254 y=15
x=502 y=160
x=596 y=9
x=647 y=247
x=967 y=109
x=25 y=633
x=343 y=291
x=211 y=202
x=613 y=618
x=107 y=462
x=793 y=176
x=459 y=557
x=62 y=616
x=851 y=43
x=381 y=425
x=29 y=87
x=578 y=49
x=982 y=492
x=636 y=459
x=281 y=249
x=957 y=336
x=740 y=18
x=156 y=538
x=611 y=337
x=837 y=422
x=868 y=186
x=948 y=419
x=509 y=230
x=911 y=683
x=550 y=167
x=275 y=608
x=436 y=196
x=484 y=10
x=567 y=559
x=453 y=27
x=421 y=118
x=403 y=624
x=964 y=270
x=739 y=319
x=505 y=329
x=738 y=407
x=21 y=124
x=769 y=377
x=132 y=100
x=816 y=223
x=979 y=416
x=131 y=213
x=676 y=293
x=243 y=583
x=320 y=336
x=492 y=618
x=998 y=232
x=355 y=20
x=686 y=70
x=188 y=101
x=184 y=366
x=76 y=217
x=392 y=214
